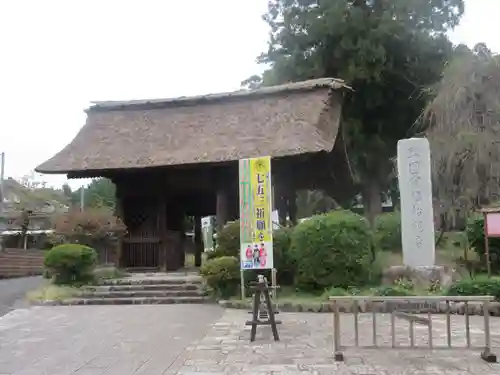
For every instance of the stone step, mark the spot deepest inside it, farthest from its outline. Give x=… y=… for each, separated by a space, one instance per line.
x=135 y=301
x=139 y=287
x=154 y=281
x=142 y=293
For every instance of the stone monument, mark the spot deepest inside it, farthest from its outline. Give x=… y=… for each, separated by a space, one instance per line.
x=417 y=217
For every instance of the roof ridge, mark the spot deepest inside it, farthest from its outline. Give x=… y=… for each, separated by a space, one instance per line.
x=332 y=83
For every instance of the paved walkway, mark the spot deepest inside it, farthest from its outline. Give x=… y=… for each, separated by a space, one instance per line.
x=91 y=340
x=13 y=292
x=206 y=340
x=306 y=348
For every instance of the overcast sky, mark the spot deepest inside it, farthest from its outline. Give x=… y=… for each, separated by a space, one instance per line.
x=58 y=55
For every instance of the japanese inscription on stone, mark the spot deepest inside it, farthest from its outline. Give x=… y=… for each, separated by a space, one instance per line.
x=417 y=215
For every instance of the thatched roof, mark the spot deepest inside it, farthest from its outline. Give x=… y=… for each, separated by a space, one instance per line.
x=284 y=120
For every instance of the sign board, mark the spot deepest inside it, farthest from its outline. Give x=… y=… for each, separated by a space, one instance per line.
x=417 y=214
x=492 y=224
x=256 y=227
x=207 y=233
x=276 y=219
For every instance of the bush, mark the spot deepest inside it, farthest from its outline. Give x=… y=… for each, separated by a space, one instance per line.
x=222 y=275
x=388 y=231
x=475 y=287
x=228 y=244
x=475 y=235
x=392 y=290
x=335 y=292
x=95 y=228
x=70 y=264
x=333 y=249
x=283 y=261
x=228 y=241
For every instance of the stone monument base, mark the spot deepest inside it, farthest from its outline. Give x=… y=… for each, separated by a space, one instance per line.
x=420 y=277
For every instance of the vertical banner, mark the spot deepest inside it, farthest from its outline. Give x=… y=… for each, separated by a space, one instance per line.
x=256 y=228
x=417 y=214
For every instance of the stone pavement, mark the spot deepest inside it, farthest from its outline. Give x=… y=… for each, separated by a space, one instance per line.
x=13 y=292
x=306 y=348
x=206 y=340
x=92 y=340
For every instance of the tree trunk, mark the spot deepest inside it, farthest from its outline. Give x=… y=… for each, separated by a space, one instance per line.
x=372 y=200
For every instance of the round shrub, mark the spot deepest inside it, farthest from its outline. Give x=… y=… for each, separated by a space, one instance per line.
x=70 y=263
x=283 y=261
x=222 y=275
x=333 y=249
x=228 y=244
x=388 y=231
x=475 y=235
x=475 y=287
x=228 y=240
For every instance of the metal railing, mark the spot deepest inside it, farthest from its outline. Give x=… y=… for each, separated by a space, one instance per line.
x=418 y=311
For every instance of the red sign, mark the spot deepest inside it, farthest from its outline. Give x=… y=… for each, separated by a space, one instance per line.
x=492 y=224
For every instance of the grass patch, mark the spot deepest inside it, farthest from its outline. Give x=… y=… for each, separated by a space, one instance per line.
x=108 y=273
x=52 y=292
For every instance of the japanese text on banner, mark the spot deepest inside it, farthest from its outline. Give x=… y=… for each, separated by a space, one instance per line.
x=256 y=213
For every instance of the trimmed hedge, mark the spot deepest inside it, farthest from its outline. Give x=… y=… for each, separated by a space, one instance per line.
x=222 y=275
x=388 y=232
x=70 y=264
x=283 y=261
x=475 y=287
x=228 y=241
x=228 y=244
x=332 y=249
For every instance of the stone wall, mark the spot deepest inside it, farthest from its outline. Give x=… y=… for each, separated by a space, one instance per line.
x=473 y=308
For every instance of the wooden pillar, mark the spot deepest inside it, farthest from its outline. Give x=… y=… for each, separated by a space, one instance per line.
x=198 y=241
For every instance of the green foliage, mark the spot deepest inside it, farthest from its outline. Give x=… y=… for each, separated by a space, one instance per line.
x=228 y=244
x=475 y=235
x=107 y=273
x=335 y=292
x=283 y=261
x=388 y=231
x=228 y=240
x=70 y=264
x=392 y=290
x=475 y=287
x=332 y=250
x=96 y=228
x=388 y=51
x=101 y=192
x=222 y=275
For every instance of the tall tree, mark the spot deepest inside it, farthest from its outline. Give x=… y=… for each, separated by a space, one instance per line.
x=387 y=50
x=465 y=131
x=99 y=193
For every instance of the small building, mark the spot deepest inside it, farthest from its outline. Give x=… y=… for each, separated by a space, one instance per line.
x=175 y=157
